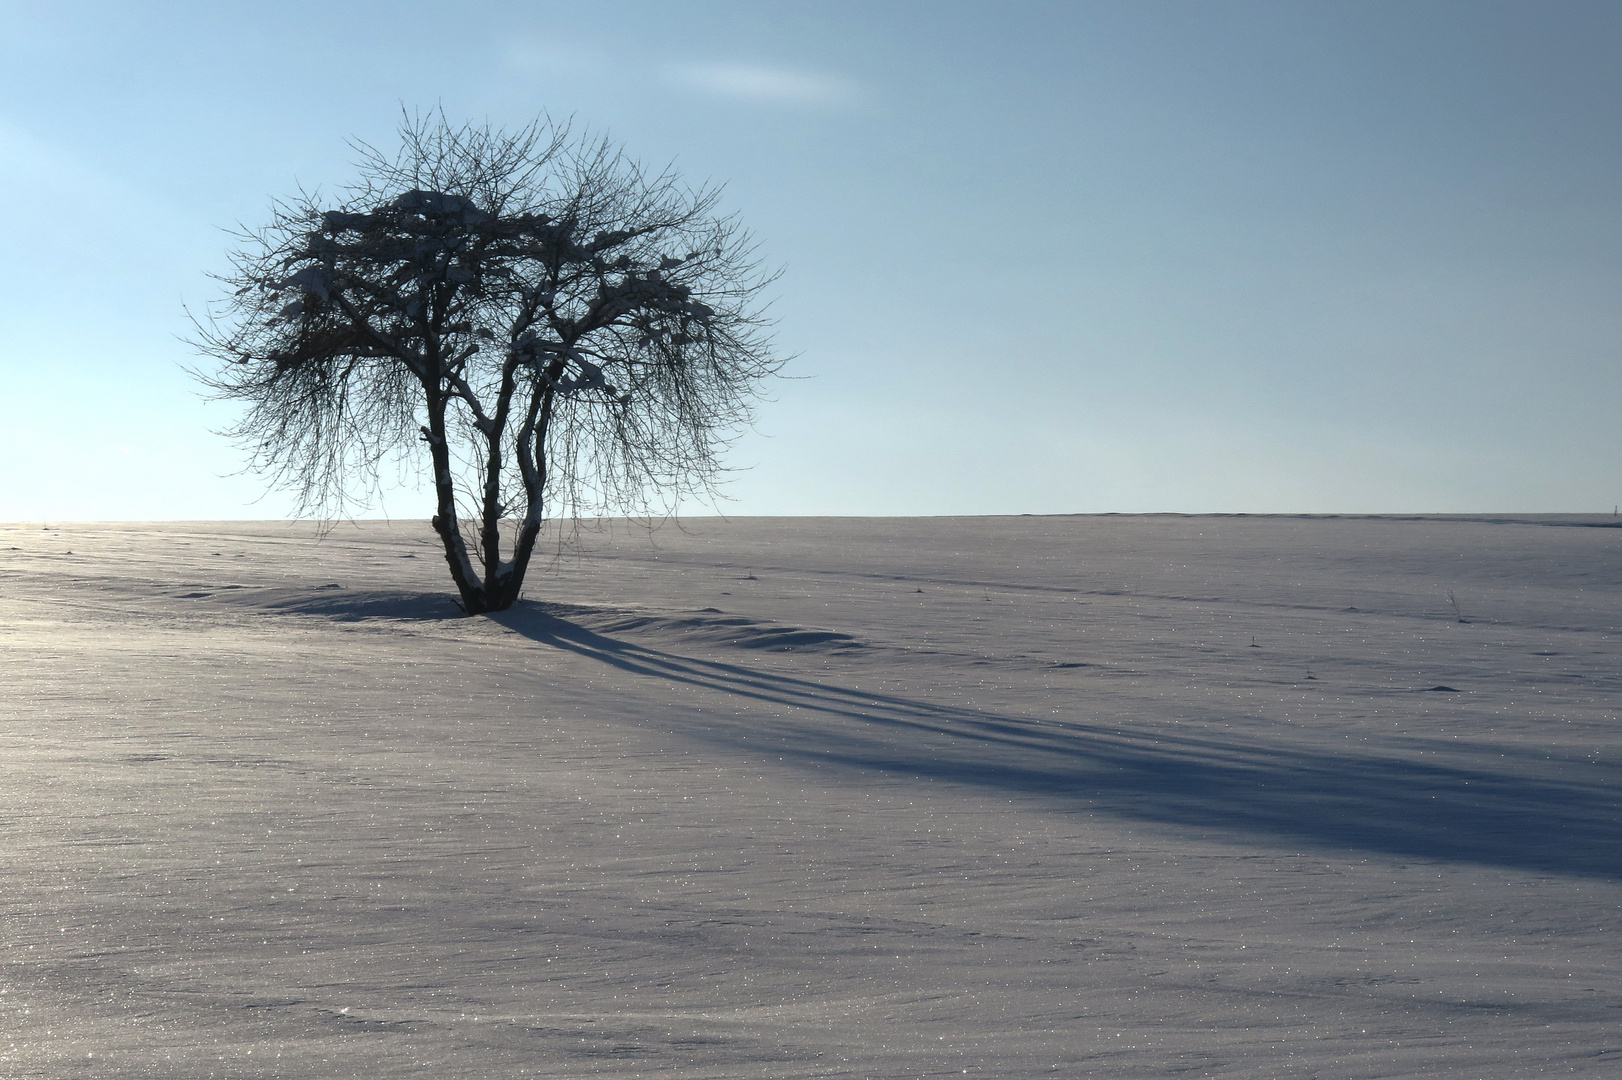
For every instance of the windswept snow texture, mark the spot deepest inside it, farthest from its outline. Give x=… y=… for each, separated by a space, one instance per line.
x=1004 y=797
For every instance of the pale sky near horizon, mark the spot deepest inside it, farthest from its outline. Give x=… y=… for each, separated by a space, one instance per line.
x=1037 y=257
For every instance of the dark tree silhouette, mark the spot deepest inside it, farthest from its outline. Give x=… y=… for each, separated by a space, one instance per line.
x=564 y=330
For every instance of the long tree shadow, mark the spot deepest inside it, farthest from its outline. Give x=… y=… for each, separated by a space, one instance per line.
x=1365 y=801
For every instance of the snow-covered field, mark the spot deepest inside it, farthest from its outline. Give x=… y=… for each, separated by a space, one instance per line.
x=1005 y=797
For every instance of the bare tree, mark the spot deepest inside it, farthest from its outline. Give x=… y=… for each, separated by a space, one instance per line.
x=564 y=330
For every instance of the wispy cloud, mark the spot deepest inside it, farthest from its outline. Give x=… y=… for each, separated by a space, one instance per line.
x=548 y=57
x=766 y=84
x=763 y=83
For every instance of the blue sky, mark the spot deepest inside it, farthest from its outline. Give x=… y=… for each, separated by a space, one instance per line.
x=1038 y=258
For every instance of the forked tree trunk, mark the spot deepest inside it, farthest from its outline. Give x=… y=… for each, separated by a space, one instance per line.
x=503 y=586
x=503 y=582
x=502 y=591
x=523 y=548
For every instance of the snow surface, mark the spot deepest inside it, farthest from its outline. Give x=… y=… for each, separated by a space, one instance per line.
x=1013 y=797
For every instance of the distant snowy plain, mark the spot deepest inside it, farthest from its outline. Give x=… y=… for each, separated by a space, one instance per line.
x=1003 y=797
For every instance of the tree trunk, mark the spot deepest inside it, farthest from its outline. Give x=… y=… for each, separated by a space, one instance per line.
x=531 y=453
x=511 y=582
x=490 y=533
x=474 y=601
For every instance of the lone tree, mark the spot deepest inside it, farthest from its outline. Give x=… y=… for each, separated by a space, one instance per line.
x=566 y=331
